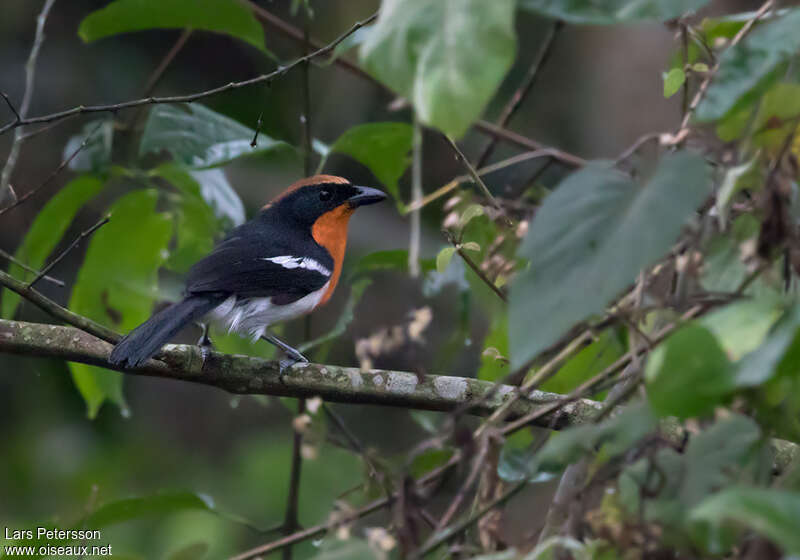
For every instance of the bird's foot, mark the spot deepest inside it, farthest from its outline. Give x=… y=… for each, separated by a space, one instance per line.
x=205 y=344
x=286 y=364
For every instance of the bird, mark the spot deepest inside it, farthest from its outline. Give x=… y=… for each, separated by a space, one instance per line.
x=282 y=264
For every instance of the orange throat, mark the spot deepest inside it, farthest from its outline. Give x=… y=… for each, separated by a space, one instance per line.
x=330 y=231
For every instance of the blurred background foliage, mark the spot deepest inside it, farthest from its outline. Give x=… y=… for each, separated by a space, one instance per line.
x=172 y=470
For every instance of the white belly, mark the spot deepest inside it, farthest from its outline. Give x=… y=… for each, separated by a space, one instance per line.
x=251 y=317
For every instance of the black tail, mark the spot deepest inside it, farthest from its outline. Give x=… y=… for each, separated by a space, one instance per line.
x=146 y=339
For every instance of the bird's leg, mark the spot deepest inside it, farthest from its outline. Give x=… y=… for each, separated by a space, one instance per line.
x=292 y=354
x=205 y=344
x=204 y=341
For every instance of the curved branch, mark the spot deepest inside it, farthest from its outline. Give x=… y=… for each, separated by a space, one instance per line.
x=247 y=375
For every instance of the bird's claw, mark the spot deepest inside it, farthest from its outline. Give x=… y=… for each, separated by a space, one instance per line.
x=287 y=363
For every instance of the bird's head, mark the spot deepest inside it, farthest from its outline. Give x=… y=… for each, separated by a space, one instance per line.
x=323 y=197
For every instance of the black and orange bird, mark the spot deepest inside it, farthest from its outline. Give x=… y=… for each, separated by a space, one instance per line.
x=282 y=264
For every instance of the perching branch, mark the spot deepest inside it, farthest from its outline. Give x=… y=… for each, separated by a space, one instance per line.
x=254 y=376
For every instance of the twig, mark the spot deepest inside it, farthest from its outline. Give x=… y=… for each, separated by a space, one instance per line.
x=415 y=225
x=30 y=77
x=469 y=521
x=84 y=109
x=701 y=91
x=476 y=269
x=523 y=90
x=11 y=105
x=565 y=158
x=66 y=251
x=474 y=174
x=454 y=183
x=9 y=257
x=62 y=313
x=64 y=163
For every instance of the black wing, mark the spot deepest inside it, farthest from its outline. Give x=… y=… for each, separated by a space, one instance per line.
x=238 y=265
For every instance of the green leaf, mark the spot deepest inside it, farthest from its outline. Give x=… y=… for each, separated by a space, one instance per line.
x=590 y=239
x=741 y=326
x=615 y=435
x=736 y=179
x=443 y=259
x=47 y=229
x=194 y=551
x=587 y=363
x=95 y=156
x=688 y=374
x=447 y=57
x=714 y=457
x=470 y=213
x=220 y=16
x=198 y=137
x=673 y=80
x=746 y=68
x=762 y=364
x=381 y=147
x=494 y=362
x=771 y=512
x=395 y=259
x=591 y=12
x=117 y=284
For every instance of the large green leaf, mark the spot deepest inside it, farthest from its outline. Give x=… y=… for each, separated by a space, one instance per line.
x=688 y=374
x=782 y=344
x=382 y=147
x=117 y=284
x=590 y=239
x=446 y=56
x=770 y=512
x=49 y=226
x=611 y=11
x=221 y=16
x=746 y=68
x=198 y=137
x=205 y=206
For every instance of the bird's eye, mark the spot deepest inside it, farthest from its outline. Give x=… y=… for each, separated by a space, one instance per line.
x=325 y=195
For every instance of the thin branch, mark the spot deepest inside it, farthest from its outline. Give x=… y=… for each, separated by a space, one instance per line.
x=523 y=90
x=11 y=105
x=701 y=91
x=61 y=313
x=84 y=109
x=565 y=158
x=66 y=251
x=9 y=257
x=476 y=269
x=30 y=78
x=64 y=163
x=473 y=173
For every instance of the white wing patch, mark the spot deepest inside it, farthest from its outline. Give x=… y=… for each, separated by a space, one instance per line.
x=287 y=261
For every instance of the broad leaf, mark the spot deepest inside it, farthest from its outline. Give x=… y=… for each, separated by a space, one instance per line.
x=382 y=147
x=745 y=69
x=221 y=16
x=615 y=435
x=763 y=363
x=770 y=512
x=198 y=137
x=117 y=284
x=586 y=363
x=446 y=56
x=47 y=230
x=590 y=239
x=688 y=374
x=95 y=156
x=741 y=326
x=611 y=11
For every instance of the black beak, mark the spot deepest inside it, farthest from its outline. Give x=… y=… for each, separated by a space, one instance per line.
x=365 y=196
